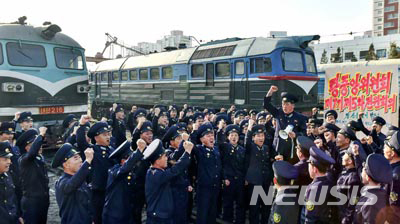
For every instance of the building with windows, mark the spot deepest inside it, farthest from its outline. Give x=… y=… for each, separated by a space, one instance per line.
x=175 y=39
x=385 y=17
x=358 y=47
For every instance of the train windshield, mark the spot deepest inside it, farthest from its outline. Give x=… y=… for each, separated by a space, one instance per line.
x=310 y=63
x=68 y=58
x=26 y=55
x=292 y=61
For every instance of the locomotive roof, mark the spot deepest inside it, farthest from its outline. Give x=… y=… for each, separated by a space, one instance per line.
x=242 y=48
x=31 y=33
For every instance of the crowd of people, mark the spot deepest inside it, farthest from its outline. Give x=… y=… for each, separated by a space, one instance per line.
x=171 y=161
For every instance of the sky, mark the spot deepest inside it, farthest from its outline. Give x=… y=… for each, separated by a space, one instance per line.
x=135 y=21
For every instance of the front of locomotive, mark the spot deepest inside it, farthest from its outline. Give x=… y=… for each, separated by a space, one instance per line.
x=294 y=70
x=42 y=71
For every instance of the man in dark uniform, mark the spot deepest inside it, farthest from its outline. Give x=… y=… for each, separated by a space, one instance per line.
x=331 y=116
x=160 y=122
x=392 y=154
x=253 y=114
x=25 y=122
x=118 y=205
x=348 y=181
x=142 y=131
x=376 y=172
x=34 y=180
x=173 y=115
x=159 y=196
x=303 y=153
x=319 y=163
x=239 y=116
x=233 y=173
x=100 y=136
x=118 y=125
x=180 y=184
x=286 y=116
x=209 y=168
x=8 y=206
x=131 y=120
x=68 y=124
x=72 y=192
x=378 y=138
x=284 y=175
x=259 y=159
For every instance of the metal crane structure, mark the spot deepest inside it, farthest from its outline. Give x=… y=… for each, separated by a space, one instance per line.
x=114 y=40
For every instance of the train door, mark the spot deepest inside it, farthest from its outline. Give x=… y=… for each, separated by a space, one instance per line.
x=240 y=82
x=210 y=74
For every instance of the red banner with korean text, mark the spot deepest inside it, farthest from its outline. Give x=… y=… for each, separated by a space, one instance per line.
x=371 y=88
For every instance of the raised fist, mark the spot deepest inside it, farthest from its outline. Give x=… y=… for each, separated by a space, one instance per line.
x=42 y=131
x=185 y=136
x=188 y=146
x=273 y=88
x=141 y=144
x=89 y=153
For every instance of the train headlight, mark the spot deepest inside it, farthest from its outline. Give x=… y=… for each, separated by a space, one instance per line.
x=12 y=87
x=82 y=88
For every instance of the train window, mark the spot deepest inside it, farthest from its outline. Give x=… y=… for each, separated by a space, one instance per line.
x=310 y=63
x=154 y=73
x=26 y=55
x=167 y=73
x=143 y=74
x=292 y=61
x=124 y=75
x=223 y=69
x=214 y=52
x=68 y=58
x=115 y=76
x=198 y=71
x=260 y=65
x=133 y=74
x=1 y=54
x=239 y=67
x=104 y=76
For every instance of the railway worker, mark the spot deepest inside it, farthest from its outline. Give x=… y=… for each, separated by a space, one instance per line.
x=140 y=112
x=173 y=115
x=33 y=174
x=261 y=118
x=198 y=118
x=243 y=125
x=7 y=131
x=181 y=184
x=286 y=116
x=253 y=114
x=233 y=172
x=144 y=131
x=207 y=160
x=330 y=133
x=284 y=175
x=375 y=174
x=72 y=191
x=378 y=138
x=9 y=206
x=303 y=153
x=349 y=181
x=312 y=128
x=160 y=122
x=319 y=163
x=159 y=196
x=68 y=123
x=25 y=122
x=118 y=125
x=239 y=116
x=392 y=154
x=82 y=140
x=259 y=169
x=331 y=116
x=100 y=135
x=363 y=149
x=118 y=204
x=131 y=121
